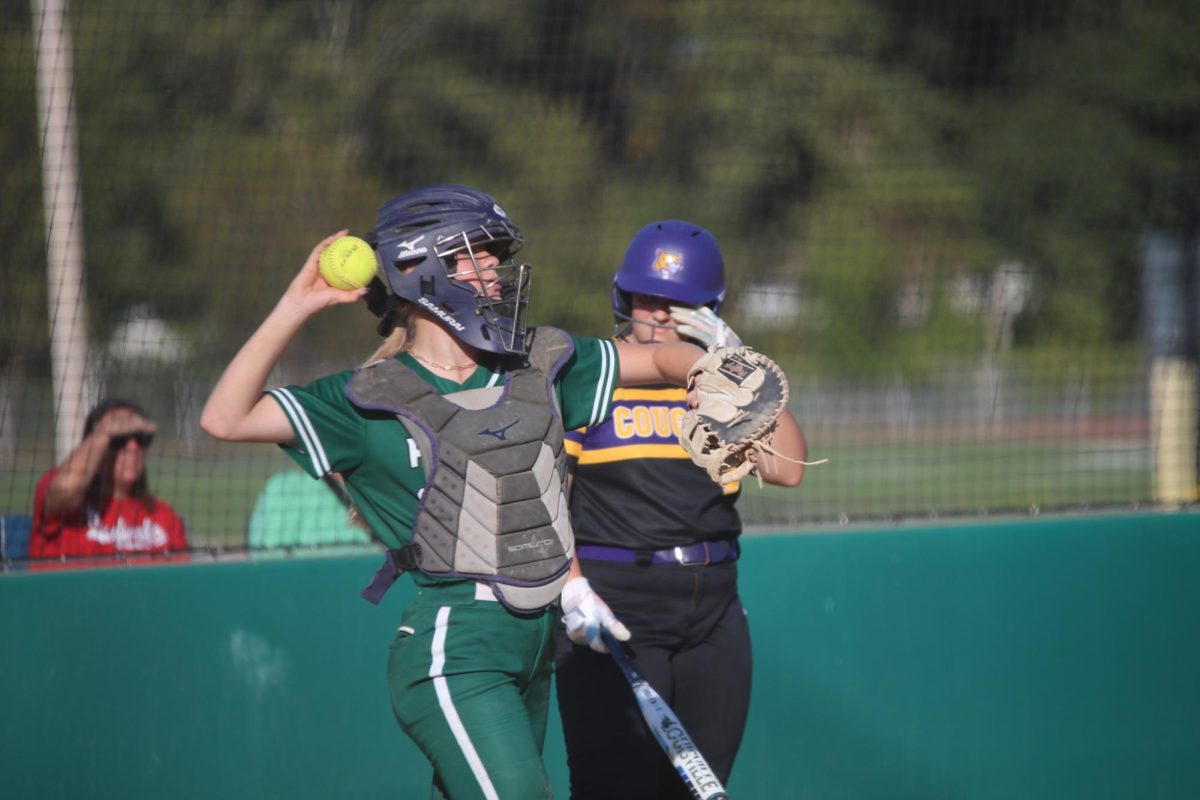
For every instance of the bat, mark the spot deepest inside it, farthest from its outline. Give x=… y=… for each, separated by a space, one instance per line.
x=668 y=730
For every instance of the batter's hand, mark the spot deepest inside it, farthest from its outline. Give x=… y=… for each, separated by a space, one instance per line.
x=584 y=614
x=703 y=325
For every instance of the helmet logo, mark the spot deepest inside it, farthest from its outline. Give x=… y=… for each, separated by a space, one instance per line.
x=666 y=263
x=409 y=249
x=496 y=207
x=442 y=315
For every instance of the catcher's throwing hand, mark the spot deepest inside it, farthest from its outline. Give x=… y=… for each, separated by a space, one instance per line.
x=736 y=396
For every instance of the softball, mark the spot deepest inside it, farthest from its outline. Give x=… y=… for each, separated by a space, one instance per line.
x=347 y=263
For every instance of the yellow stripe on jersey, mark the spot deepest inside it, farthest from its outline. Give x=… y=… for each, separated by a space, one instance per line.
x=628 y=452
x=656 y=395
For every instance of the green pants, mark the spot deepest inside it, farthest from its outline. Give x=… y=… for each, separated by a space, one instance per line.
x=470 y=684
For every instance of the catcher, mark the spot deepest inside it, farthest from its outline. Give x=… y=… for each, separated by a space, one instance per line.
x=459 y=386
x=657 y=537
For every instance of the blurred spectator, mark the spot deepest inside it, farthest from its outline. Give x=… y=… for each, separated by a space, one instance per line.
x=97 y=502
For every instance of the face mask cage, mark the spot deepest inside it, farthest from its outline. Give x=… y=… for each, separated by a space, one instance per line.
x=501 y=291
x=498 y=238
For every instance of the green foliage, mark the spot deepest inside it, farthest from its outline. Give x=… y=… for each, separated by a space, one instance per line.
x=857 y=151
x=23 y=334
x=1093 y=144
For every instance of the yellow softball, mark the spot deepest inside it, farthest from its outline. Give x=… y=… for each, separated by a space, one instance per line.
x=348 y=263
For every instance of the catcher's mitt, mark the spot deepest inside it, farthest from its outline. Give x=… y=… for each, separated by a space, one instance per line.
x=740 y=395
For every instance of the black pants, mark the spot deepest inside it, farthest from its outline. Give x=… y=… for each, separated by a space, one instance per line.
x=692 y=643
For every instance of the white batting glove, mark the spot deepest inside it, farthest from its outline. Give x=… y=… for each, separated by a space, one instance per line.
x=584 y=614
x=703 y=325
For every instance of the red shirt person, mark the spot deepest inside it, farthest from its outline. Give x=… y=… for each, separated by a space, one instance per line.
x=97 y=502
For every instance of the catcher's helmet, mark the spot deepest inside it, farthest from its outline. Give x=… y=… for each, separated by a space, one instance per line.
x=674 y=260
x=418 y=236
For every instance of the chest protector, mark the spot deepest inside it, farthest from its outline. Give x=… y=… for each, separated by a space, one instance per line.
x=494 y=507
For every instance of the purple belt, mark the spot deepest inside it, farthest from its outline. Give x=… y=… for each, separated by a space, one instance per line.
x=697 y=554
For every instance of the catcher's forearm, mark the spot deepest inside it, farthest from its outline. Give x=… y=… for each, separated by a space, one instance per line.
x=666 y=362
x=232 y=410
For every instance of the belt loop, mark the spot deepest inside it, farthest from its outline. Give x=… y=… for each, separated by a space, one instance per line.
x=707 y=560
x=679 y=556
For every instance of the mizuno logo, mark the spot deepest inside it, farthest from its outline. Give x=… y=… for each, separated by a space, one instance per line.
x=442 y=315
x=409 y=249
x=499 y=433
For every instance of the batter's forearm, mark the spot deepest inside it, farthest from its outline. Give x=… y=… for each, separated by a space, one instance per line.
x=789 y=440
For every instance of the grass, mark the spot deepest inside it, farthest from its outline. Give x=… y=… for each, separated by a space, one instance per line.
x=895 y=480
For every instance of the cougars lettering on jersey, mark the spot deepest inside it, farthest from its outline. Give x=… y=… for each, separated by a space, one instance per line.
x=128 y=525
x=634 y=485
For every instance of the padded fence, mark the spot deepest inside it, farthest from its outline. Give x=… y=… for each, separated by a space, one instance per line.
x=1045 y=660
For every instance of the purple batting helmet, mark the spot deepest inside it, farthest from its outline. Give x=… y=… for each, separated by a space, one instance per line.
x=674 y=260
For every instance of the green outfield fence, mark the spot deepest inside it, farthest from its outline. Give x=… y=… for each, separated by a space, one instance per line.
x=1053 y=659
x=967 y=230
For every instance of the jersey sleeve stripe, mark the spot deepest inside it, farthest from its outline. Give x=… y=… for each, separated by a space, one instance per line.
x=604 y=390
x=597 y=398
x=610 y=387
x=303 y=427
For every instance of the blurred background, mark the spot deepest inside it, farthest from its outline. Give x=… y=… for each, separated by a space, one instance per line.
x=970 y=231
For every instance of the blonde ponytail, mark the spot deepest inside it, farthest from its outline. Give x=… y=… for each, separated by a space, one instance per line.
x=400 y=338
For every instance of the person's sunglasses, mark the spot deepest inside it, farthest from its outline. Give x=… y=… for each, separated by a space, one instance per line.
x=119 y=442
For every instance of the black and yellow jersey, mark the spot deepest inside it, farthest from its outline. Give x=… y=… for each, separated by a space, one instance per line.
x=635 y=487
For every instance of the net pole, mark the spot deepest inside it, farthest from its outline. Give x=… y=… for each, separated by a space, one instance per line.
x=63 y=206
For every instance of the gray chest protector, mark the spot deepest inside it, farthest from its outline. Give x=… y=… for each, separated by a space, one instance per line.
x=494 y=507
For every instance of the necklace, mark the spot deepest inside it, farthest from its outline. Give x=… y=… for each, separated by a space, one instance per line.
x=429 y=363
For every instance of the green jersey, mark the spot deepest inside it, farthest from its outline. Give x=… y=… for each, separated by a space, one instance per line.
x=382 y=465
